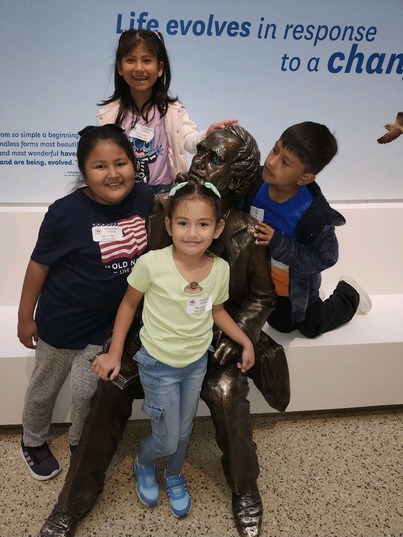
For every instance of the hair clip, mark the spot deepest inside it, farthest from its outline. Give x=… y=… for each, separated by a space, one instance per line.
x=213 y=188
x=177 y=187
x=159 y=35
x=207 y=184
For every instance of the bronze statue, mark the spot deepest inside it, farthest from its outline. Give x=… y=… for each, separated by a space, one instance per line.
x=229 y=158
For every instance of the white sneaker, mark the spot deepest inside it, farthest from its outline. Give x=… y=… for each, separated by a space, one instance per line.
x=365 y=303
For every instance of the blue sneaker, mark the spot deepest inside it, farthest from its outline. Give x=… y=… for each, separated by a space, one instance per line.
x=146 y=484
x=178 y=495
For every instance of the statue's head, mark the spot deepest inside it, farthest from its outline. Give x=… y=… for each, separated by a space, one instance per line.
x=229 y=158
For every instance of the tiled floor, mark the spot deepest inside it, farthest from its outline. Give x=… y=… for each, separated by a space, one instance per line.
x=321 y=475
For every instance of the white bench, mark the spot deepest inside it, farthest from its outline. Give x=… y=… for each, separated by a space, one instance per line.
x=358 y=365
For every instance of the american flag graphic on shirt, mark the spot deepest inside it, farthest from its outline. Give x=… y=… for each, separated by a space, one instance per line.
x=134 y=241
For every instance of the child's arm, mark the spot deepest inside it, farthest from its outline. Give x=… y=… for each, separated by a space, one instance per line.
x=316 y=257
x=225 y=322
x=107 y=366
x=35 y=277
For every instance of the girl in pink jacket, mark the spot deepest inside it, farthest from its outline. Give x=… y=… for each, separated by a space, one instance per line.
x=157 y=124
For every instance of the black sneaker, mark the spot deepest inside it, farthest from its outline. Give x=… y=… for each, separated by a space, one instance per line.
x=41 y=462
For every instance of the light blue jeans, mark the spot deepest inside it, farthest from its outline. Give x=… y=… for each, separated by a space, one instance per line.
x=171 y=396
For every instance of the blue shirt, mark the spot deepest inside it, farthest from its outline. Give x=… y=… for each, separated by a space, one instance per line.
x=283 y=217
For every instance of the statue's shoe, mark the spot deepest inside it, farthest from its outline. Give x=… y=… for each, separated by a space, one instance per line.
x=59 y=524
x=248 y=513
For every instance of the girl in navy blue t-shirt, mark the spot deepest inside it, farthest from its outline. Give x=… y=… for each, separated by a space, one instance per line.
x=88 y=243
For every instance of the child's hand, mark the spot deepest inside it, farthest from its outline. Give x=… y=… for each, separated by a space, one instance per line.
x=27 y=332
x=263 y=234
x=248 y=359
x=220 y=125
x=106 y=366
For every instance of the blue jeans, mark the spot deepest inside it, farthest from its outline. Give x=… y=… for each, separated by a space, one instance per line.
x=171 y=396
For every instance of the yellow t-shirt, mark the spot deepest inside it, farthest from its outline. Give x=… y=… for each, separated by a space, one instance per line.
x=177 y=327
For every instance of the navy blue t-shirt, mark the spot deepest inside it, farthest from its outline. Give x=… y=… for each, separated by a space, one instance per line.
x=90 y=249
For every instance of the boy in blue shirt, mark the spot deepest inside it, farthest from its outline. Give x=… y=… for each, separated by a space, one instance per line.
x=297 y=224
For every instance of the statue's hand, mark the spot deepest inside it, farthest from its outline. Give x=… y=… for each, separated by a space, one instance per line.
x=226 y=352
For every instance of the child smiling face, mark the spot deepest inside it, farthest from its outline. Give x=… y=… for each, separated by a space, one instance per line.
x=109 y=173
x=140 y=70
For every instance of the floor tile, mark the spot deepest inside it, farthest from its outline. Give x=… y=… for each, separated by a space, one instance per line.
x=322 y=475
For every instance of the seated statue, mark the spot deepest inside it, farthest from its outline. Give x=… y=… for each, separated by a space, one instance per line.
x=228 y=158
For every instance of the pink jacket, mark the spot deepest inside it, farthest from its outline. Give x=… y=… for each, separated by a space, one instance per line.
x=182 y=133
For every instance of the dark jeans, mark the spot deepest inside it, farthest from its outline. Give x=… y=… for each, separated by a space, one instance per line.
x=320 y=316
x=225 y=391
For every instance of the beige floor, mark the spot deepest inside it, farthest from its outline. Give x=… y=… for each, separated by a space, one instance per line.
x=321 y=475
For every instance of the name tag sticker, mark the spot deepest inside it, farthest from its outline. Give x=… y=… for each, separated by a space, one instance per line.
x=141 y=132
x=257 y=213
x=199 y=304
x=107 y=233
